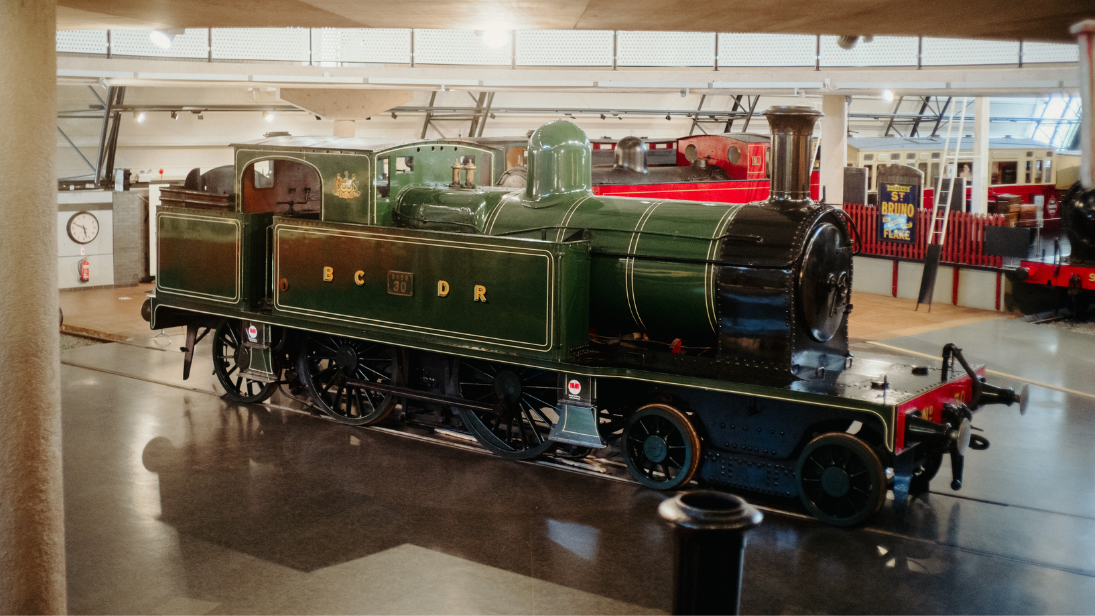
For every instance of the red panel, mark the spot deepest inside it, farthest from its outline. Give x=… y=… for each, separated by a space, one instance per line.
x=1049 y=274
x=742 y=191
x=930 y=404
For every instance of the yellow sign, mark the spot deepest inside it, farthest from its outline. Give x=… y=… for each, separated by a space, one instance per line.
x=328 y=274
x=442 y=288
x=359 y=277
x=346 y=188
x=480 y=293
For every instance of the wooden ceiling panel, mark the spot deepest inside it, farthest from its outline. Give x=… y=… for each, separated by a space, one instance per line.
x=1046 y=20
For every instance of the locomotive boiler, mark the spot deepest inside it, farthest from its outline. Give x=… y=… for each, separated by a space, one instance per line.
x=703 y=341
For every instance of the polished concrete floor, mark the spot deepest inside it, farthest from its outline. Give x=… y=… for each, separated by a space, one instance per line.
x=177 y=502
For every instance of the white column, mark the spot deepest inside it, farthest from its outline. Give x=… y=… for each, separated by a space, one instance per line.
x=834 y=146
x=1085 y=36
x=345 y=128
x=32 y=520
x=979 y=196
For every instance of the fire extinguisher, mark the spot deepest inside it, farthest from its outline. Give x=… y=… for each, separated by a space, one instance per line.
x=85 y=270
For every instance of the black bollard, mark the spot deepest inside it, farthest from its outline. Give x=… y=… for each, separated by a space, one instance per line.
x=710 y=532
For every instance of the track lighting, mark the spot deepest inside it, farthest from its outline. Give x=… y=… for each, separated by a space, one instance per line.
x=887 y=95
x=174 y=115
x=269 y=115
x=139 y=117
x=667 y=117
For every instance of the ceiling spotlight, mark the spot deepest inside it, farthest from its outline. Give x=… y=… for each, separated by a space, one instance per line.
x=847 y=42
x=174 y=115
x=200 y=116
x=602 y=116
x=887 y=95
x=139 y=117
x=667 y=117
x=269 y=115
x=164 y=38
x=495 y=38
x=394 y=116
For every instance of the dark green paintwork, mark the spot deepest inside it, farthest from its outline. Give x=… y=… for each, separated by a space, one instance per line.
x=528 y=285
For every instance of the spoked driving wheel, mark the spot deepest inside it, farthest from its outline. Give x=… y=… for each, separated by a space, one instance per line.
x=841 y=480
x=227 y=346
x=661 y=448
x=328 y=367
x=527 y=401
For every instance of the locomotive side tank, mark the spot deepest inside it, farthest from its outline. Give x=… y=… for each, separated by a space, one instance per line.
x=765 y=285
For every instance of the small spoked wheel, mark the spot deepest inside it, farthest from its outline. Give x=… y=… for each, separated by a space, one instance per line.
x=661 y=447
x=328 y=364
x=227 y=347
x=841 y=480
x=527 y=401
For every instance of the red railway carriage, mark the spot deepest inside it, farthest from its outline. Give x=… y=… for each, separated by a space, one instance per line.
x=743 y=156
x=723 y=168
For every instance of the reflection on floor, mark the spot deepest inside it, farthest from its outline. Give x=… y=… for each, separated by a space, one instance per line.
x=177 y=502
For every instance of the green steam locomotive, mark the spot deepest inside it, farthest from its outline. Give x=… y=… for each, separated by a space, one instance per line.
x=704 y=341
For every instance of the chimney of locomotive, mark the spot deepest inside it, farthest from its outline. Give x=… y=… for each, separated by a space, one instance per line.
x=791 y=127
x=630 y=154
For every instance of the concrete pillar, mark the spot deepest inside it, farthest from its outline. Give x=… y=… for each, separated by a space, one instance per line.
x=979 y=196
x=1085 y=36
x=345 y=128
x=32 y=523
x=834 y=146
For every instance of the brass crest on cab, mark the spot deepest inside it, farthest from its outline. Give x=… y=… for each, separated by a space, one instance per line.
x=346 y=187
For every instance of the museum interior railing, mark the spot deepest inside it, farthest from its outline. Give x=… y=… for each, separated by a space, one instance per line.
x=964 y=243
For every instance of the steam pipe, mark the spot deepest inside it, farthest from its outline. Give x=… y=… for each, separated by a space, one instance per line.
x=791 y=127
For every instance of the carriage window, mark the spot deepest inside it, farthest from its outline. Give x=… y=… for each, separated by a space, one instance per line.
x=1037 y=172
x=1004 y=172
x=733 y=154
x=868 y=157
x=935 y=155
x=870 y=175
x=934 y=174
x=404 y=164
x=382 y=169
x=910 y=156
x=690 y=153
x=264 y=174
x=1028 y=173
x=895 y=156
x=1049 y=177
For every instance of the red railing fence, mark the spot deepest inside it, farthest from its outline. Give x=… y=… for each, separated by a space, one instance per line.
x=964 y=243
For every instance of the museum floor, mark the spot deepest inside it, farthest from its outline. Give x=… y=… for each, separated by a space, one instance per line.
x=178 y=503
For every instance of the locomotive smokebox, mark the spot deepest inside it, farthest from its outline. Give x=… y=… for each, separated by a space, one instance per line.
x=792 y=127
